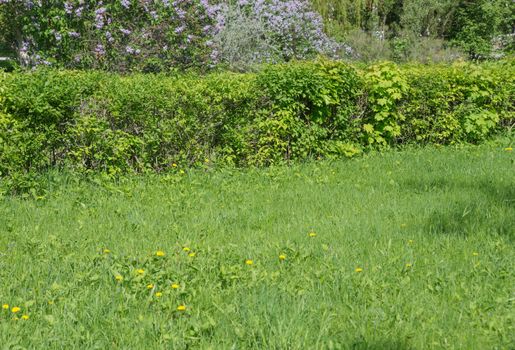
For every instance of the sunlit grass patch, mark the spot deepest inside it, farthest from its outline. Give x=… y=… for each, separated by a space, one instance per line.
x=409 y=249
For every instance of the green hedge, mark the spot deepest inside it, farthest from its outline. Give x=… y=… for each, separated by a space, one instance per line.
x=99 y=122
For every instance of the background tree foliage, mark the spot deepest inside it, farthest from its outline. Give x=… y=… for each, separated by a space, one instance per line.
x=477 y=22
x=478 y=27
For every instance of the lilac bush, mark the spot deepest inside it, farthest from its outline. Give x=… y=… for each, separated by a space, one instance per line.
x=242 y=40
x=119 y=35
x=157 y=35
x=272 y=30
x=293 y=25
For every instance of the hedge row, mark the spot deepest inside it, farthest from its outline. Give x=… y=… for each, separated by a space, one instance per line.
x=92 y=121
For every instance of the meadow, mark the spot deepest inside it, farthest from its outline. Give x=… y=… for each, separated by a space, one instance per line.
x=410 y=249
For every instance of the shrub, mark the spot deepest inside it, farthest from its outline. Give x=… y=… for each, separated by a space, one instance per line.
x=98 y=122
x=424 y=50
x=117 y=35
x=243 y=41
x=366 y=47
x=271 y=31
x=445 y=102
x=150 y=122
x=159 y=36
x=386 y=86
x=307 y=107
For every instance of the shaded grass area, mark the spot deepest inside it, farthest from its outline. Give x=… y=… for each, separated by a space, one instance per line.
x=431 y=229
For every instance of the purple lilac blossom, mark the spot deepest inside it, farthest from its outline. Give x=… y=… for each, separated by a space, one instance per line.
x=99 y=49
x=99 y=21
x=68 y=8
x=99 y=17
x=109 y=36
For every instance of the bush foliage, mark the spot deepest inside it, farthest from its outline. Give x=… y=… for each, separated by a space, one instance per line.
x=114 y=35
x=101 y=122
x=161 y=36
x=271 y=31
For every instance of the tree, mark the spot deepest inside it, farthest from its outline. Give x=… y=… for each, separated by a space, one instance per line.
x=427 y=18
x=476 y=23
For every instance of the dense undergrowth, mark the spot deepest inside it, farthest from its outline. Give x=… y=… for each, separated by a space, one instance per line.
x=99 y=122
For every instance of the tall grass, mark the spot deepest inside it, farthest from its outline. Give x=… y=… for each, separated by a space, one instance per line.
x=411 y=250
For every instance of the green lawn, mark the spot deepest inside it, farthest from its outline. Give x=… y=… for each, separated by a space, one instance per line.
x=413 y=250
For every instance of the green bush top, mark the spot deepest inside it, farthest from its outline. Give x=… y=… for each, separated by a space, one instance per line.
x=101 y=122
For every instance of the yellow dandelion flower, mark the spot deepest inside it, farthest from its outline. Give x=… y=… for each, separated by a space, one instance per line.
x=186 y=249
x=174 y=165
x=159 y=294
x=475 y=253
x=408 y=265
x=181 y=308
x=192 y=254
x=410 y=241
x=50 y=302
x=312 y=234
x=249 y=262
x=15 y=309
x=282 y=257
x=206 y=160
x=160 y=253
x=140 y=271
x=107 y=251
x=181 y=171
x=119 y=278
x=150 y=286
x=358 y=269
x=25 y=317
x=5 y=306
x=175 y=286
x=508 y=149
